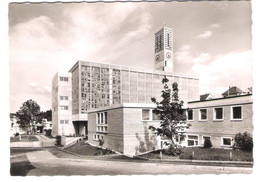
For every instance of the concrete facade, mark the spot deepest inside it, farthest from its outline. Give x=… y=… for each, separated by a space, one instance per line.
x=222 y=128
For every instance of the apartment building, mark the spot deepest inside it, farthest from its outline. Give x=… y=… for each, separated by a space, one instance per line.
x=219 y=119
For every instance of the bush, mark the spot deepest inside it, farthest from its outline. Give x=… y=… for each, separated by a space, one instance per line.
x=207 y=143
x=48 y=132
x=173 y=150
x=243 y=142
x=16 y=134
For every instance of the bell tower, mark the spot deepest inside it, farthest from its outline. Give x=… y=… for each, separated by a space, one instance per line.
x=164 y=50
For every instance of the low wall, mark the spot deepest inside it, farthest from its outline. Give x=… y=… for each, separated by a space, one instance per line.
x=26 y=144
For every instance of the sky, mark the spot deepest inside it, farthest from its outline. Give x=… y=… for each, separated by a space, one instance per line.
x=211 y=40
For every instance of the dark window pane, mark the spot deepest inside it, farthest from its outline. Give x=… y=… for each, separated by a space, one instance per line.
x=190 y=115
x=190 y=143
x=203 y=114
x=237 y=112
x=226 y=141
x=219 y=113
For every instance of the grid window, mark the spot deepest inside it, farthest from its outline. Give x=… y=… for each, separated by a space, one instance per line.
x=64 y=97
x=64 y=79
x=190 y=115
x=193 y=140
x=218 y=113
x=236 y=112
x=203 y=114
x=64 y=107
x=145 y=114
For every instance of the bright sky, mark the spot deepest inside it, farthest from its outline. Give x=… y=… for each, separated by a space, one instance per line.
x=211 y=39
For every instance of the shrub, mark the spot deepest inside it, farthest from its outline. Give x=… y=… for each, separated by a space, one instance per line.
x=207 y=143
x=48 y=132
x=243 y=142
x=16 y=134
x=100 y=142
x=173 y=150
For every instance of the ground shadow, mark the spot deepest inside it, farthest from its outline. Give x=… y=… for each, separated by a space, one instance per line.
x=20 y=166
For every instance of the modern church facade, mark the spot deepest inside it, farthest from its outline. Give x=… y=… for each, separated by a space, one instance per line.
x=113 y=102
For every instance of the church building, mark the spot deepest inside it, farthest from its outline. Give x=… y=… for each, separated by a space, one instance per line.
x=113 y=102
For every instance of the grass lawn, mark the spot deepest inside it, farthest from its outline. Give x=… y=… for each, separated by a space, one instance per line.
x=205 y=154
x=24 y=138
x=82 y=148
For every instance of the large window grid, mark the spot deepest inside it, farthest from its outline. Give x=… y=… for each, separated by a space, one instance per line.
x=101 y=122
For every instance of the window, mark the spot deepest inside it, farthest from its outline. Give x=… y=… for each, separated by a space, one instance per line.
x=226 y=141
x=101 y=122
x=155 y=116
x=203 y=114
x=96 y=137
x=64 y=97
x=64 y=79
x=236 y=112
x=64 y=121
x=145 y=114
x=190 y=115
x=64 y=107
x=193 y=140
x=218 y=114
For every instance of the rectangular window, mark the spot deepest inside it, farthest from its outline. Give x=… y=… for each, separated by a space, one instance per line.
x=190 y=115
x=64 y=107
x=193 y=140
x=203 y=114
x=145 y=114
x=105 y=117
x=64 y=97
x=155 y=116
x=61 y=121
x=218 y=113
x=66 y=122
x=64 y=79
x=236 y=112
x=226 y=141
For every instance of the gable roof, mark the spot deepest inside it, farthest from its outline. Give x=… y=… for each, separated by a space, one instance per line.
x=204 y=97
x=233 y=91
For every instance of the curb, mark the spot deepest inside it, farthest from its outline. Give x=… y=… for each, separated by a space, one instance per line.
x=242 y=163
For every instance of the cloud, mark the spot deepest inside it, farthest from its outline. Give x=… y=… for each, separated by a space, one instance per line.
x=232 y=69
x=204 y=35
x=202 y=58
x=215 y=25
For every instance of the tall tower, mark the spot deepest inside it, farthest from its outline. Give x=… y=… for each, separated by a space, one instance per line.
x=163 y=50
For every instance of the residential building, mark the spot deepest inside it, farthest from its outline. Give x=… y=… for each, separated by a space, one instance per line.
x=206 y=97
x=233 y=91
x=219 y=119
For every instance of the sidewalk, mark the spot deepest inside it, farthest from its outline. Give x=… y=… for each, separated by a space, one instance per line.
x=45 y=141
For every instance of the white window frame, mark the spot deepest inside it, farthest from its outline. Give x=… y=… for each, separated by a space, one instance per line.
x=149 y=115
x=200 y=114
x=101 y=123
x=214 y=114
x=222 y=142
x=231 y=113
x=192 y=139
x=192 y=115
x=202 y=138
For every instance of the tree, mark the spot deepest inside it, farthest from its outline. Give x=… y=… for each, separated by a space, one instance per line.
x=28 y=113
x=243 y=142
x=171 y=113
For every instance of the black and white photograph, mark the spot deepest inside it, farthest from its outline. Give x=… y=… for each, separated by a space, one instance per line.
x=130 y=88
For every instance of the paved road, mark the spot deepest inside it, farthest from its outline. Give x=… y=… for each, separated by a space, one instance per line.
x=45 y=163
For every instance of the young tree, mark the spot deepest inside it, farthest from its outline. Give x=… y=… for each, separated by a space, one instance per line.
x=28 y=113
x=170 y=112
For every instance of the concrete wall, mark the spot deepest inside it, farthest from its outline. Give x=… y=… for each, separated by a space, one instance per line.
x=221 y=128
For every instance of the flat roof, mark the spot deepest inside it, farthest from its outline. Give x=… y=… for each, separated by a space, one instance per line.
x=221 y=98
x=130 y=68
